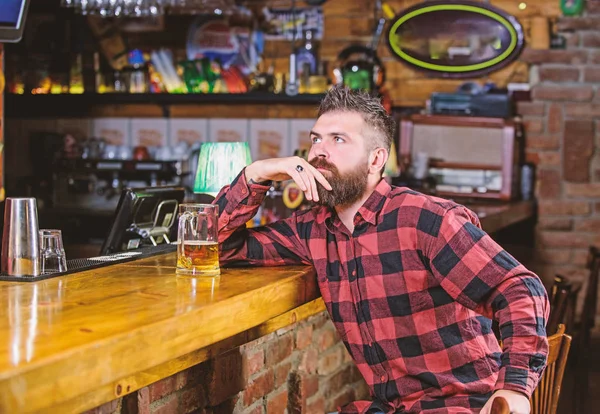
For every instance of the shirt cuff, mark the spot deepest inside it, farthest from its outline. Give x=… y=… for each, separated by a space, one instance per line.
x=244 y=193
x=517 y=379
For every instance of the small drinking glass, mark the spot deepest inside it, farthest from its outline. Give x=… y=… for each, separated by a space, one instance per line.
x=197 y=240
x=53 y=258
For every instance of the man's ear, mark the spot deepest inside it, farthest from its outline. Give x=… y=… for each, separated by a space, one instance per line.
x=377 y=160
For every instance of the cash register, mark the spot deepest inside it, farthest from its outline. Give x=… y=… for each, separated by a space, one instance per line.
x=144 y=216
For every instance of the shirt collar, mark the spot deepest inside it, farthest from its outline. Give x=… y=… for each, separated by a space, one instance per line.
x=370 y=209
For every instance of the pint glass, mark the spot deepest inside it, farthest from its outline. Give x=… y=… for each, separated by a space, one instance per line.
x=197 y=240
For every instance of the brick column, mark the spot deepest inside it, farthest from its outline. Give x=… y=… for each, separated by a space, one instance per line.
x=303 y=368
x=562 y=125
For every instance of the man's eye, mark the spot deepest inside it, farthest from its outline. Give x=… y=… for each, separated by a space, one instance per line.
x=315 y=140
x=339 y=139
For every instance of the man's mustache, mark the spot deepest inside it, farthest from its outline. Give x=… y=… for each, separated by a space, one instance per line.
x=318 y=162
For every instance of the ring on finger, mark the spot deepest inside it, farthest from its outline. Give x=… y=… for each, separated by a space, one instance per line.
x=299 y=168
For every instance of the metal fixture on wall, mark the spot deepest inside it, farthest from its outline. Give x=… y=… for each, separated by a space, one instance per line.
x=291 y=87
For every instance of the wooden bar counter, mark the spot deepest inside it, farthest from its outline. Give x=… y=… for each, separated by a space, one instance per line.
x=72 y=343
x=494 y=217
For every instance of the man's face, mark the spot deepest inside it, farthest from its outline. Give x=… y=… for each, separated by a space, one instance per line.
x=339 y=152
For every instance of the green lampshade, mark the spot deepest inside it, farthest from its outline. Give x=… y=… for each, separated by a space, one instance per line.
x=218 y=164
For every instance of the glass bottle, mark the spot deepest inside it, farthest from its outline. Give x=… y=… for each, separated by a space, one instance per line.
x=76 y=78
x=138 y=72
x=306 y=60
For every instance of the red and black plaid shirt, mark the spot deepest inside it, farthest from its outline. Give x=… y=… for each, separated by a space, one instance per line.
x=412 y=292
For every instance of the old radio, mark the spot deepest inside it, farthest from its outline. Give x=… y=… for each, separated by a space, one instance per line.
x=467 y=156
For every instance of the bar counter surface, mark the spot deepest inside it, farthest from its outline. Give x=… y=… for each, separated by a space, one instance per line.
x=74 y=342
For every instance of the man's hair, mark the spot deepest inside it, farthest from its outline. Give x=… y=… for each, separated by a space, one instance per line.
x=342 y=99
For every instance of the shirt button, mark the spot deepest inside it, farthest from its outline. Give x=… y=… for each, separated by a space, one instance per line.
x=354 y=273
x=253 y=193
x=382 y=378
x=243 y=191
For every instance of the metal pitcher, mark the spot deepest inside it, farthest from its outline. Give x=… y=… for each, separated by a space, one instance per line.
x=20 y=238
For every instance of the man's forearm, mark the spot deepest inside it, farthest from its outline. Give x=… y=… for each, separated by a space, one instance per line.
x=269 y=245
x=238 y=203
x=253 y=173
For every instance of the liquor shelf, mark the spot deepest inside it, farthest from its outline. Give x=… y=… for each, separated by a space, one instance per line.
x=73 y=105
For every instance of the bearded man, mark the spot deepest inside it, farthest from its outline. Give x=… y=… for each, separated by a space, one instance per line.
x=410 y=281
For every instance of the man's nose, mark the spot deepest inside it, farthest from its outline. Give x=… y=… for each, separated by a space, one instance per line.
x=321 y=151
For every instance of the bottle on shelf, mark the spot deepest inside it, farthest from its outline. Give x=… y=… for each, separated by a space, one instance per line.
x=306 y=60
x=319 y=82
x=76 y=75
x=138 y=72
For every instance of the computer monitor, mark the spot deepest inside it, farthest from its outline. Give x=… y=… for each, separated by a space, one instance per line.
x=144 y=217
x=12 y=20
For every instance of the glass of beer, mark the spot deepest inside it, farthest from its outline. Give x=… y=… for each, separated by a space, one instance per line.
x=197 y=240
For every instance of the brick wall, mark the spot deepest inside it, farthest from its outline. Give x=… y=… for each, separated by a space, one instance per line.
x=563 y=137
x=303 y=368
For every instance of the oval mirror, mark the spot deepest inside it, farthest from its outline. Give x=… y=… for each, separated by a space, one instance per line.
x=455 y=38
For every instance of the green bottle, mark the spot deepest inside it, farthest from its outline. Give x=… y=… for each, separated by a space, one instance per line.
x=191 y=76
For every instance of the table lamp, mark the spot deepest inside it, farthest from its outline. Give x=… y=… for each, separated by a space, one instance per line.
x=218 y=164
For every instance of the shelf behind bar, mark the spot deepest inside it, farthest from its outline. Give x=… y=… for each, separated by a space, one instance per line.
x=72 y=105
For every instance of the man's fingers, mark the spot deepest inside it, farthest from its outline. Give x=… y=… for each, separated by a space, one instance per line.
x=313 y=185
x=303 y=182
x=320 y=177
x=294 y=175
x=306 y=177
x=309 y=189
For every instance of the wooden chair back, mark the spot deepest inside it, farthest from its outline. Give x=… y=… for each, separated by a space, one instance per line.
x=545 y=397
x=559 y=301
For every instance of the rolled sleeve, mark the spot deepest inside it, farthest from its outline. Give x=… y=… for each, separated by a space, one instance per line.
x=483 y=277
x=275 y=244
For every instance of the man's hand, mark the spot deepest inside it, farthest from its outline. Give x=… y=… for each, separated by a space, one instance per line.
x=281 y=169
x=517 y=402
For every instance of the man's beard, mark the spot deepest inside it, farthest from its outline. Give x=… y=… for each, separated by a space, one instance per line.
x=345 y=189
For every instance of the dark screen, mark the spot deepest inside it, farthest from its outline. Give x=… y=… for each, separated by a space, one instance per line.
x=10 y=13
x=145 y=210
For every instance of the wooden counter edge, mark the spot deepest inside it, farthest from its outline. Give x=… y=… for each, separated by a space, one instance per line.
x=132 y=383
x=133 y=352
